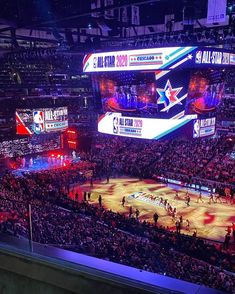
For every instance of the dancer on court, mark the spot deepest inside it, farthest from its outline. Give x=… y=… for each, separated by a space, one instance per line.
x=188 y=200
x=176 y=195
x=123 y=200
x=218 y=198
x=187 y=225
x=211 y=199
x=174 y=214
x=199 y=198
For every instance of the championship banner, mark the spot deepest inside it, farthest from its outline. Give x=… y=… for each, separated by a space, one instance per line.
x=216 y=11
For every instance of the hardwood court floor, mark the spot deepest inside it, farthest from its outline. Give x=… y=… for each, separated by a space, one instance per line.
x=210 y=220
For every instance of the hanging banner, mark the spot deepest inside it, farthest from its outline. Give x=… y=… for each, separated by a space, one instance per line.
x=216 y=11
x=135 y=15
x=109 y=13
x=95 y=4
x=124 y=15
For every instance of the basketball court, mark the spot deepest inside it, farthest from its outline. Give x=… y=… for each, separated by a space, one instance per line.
x=210 y=220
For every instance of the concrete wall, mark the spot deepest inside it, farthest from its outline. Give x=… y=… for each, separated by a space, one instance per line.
x=22 y=274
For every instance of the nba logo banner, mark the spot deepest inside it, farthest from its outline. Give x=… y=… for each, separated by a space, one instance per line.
x=38 y=122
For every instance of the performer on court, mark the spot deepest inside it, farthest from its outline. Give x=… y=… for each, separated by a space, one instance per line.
x=187 y=194
x=177 y=195
x=30 y=162
x=137 y=213
x=89 y=196
x=188 y=200
x=123 y=200
x=187 y=225
x=155 y=218
x=181 y=220
x=199 y=198
x=218 y=198
x=165 y=204
x=174 y=214
x=177 y=226
x=211 y=199
x=100 y=201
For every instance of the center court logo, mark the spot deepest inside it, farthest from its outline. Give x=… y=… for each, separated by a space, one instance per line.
x=145 y=197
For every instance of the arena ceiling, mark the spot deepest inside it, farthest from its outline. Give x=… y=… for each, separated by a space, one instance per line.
x=46 y=21
x=40 y=13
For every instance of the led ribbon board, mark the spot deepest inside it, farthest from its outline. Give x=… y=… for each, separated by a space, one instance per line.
x=158 y=59
x=146 y=128
x=40 y=121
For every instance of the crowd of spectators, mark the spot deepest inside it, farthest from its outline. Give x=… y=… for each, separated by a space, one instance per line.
x=192 y=161
x=38 y=70
x=91 y=230
x=226 y=109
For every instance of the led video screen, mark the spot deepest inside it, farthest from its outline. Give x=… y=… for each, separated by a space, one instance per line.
x=171 y=93
x=204 y=127
x=166 y=58
x=127 y=92
x=153 y=94
x=40 y=121
x=205 y=92
x=145 y=128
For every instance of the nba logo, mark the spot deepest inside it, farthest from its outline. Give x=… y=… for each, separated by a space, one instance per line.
x=115 y=125
x=196 y=129
x=198 y=58
x=95 y=61
x=38 y=121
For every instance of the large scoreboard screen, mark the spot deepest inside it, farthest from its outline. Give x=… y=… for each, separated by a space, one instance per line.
x=151 y=93
x=40 y=121
x=142 y=93
x=161 y=94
